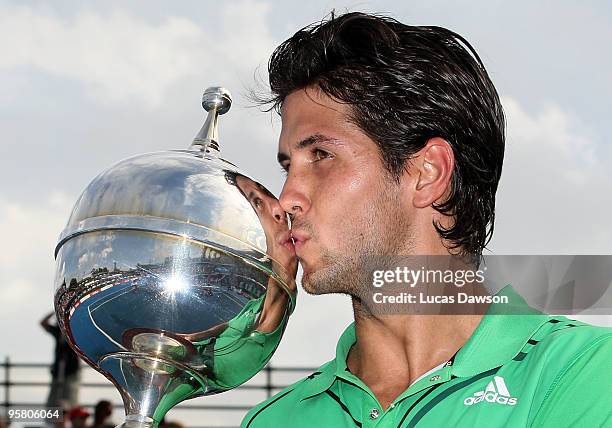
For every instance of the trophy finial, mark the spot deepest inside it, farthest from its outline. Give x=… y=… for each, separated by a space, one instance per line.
x=216 y=100
x=217 y=97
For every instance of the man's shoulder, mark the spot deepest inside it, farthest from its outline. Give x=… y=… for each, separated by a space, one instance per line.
x=274 y=411
x=576 y=375
x=570 y=337
x=561 y=346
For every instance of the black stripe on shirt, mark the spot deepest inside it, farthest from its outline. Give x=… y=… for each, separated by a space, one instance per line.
x=266 y=406
x=335 y=397
x=418 y=401
x=434 y=401
x=520 y=356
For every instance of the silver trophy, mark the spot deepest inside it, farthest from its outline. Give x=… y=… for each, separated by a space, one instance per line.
x=175 y=274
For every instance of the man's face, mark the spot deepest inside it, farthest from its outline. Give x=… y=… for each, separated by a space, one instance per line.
x=274 y=222
x=272 y=217
x=343 y=202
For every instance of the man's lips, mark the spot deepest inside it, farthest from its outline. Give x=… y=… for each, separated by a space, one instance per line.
x=286 y=241
x=299 y=238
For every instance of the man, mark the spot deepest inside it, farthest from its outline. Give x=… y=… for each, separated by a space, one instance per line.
x=65 y=370
x=393 y=139
x=78 y=417
x=102 y=414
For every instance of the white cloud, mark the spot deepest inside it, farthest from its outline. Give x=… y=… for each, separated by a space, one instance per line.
x=552 y=195
x=246 y=37
x=119 y=56
x=554 y=133
x=29 y=234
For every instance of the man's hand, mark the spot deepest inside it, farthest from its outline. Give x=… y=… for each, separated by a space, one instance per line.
x=44 y=323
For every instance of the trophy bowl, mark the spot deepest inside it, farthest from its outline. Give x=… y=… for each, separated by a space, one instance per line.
x=175 y=274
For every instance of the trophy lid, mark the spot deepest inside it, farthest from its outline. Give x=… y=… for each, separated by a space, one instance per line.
x=189 y=193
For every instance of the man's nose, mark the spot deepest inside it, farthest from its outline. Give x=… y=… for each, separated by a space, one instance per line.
x=293 y=199
x=277 y=212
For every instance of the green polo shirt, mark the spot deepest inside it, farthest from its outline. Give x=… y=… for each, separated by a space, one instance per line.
x=520 y=368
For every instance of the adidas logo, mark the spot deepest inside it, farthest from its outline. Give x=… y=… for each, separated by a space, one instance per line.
x=495 y=392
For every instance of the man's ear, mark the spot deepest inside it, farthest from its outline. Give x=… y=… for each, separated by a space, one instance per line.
x=434 y=166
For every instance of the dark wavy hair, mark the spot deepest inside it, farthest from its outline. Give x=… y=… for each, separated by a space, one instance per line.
x=404 y=85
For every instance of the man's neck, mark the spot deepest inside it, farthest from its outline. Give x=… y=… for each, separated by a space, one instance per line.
x=392 y=351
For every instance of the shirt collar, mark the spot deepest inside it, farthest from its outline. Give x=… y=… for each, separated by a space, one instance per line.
x=346 y=341
x=501 y=334
x=323 y=378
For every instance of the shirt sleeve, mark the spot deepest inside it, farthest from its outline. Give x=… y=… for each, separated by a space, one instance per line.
x=580 y=395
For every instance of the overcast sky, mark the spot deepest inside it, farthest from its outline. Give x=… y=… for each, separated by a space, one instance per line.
x=85 y=84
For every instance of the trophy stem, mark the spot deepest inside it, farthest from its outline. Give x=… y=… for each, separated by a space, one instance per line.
x=138 y=421
x=150 y=386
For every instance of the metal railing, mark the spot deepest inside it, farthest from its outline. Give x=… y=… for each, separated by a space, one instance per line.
x=10 y=381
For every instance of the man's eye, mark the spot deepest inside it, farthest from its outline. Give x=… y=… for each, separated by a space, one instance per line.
x=320 y=154
x=257 y=202
x=285 y=169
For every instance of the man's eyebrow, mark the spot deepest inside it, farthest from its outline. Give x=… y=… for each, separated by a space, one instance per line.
x=308 y=141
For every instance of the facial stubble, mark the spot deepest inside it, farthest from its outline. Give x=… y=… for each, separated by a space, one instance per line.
x=382 y=229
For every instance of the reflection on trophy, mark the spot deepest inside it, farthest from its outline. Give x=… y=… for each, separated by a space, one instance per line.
x=175 y=274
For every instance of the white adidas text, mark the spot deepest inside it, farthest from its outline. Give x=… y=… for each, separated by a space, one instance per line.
x=495 y=392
